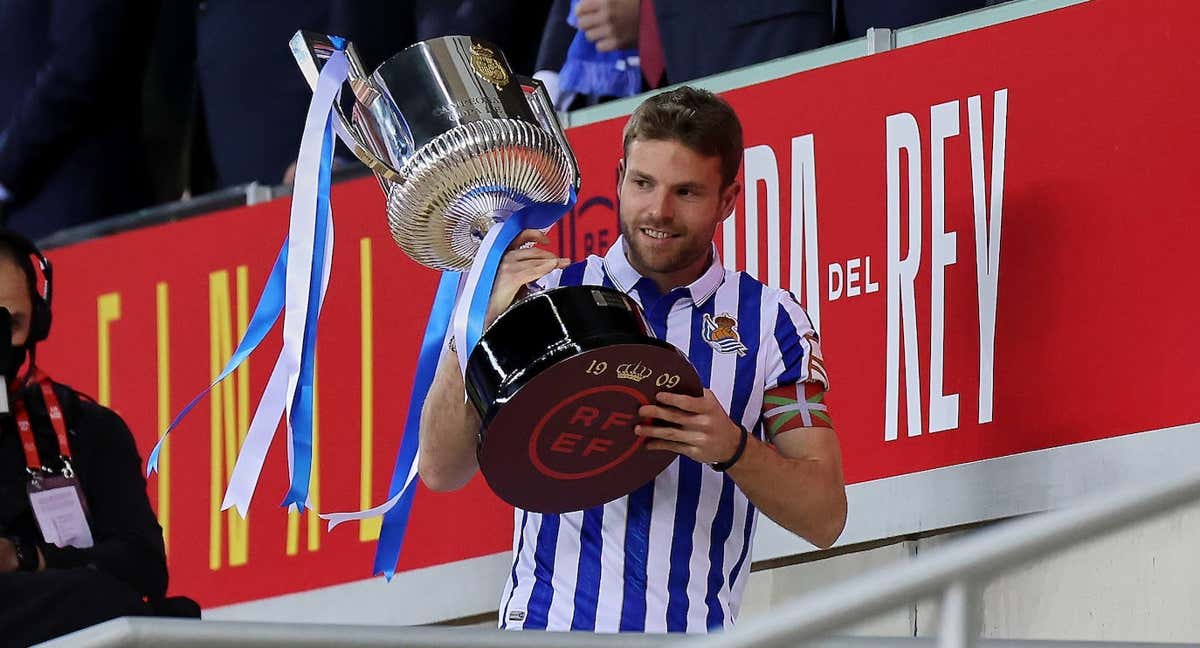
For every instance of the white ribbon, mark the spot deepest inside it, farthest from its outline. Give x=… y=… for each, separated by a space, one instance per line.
x=278 y=395
x=463 y=308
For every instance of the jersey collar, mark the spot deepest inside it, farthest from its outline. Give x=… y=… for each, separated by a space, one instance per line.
x=625 y=277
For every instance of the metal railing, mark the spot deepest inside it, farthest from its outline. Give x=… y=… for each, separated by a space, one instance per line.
x=181 y=633
x=958 y=572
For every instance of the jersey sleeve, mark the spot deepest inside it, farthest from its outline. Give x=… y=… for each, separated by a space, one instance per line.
x=794 y=352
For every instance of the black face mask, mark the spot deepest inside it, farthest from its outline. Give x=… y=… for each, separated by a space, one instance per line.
x=12 y=357
x=13 y=361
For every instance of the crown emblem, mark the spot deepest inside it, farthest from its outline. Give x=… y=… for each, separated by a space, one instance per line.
x=634 y=372
x=487 y=66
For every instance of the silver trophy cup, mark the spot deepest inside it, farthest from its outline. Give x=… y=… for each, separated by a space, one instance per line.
x=456 y=140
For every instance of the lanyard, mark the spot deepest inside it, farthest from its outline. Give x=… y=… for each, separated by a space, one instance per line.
x=25 y=427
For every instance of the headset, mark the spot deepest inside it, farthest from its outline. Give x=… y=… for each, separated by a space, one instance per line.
x=31 y=256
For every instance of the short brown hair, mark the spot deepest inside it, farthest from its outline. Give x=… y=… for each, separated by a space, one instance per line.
x=698 y=119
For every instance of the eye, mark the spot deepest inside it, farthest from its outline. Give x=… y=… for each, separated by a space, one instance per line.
x=641 y=183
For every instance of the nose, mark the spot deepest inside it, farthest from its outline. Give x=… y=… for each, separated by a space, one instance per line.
x=659 y=208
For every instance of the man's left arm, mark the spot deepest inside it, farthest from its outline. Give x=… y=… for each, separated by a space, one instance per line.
x=797 y=481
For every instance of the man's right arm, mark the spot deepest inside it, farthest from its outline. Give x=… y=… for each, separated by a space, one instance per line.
x=449 y=423
x=449 y=430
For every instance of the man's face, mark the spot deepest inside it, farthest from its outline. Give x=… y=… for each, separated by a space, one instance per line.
x=671 y=201
x=14 y=295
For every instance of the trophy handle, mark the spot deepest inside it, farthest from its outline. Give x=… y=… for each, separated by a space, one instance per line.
x=543 y=109
x=311 y=50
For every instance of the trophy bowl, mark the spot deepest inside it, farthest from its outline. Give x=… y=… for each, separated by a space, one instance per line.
x=457 y=141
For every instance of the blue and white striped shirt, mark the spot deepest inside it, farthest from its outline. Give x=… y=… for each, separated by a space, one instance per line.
x=674 y=555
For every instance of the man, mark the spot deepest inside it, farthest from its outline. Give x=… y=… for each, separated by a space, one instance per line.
x=673 y=555
x=109 y=558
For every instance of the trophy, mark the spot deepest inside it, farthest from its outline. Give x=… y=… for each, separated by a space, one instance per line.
x=454 y=138
x=458 y=143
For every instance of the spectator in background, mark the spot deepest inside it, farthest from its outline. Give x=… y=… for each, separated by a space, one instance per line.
x=107 y=563
x=515 y=26
x=253 y=96
x=681 y=40
x=70 y=120
x=854 y=17
x=598 y=63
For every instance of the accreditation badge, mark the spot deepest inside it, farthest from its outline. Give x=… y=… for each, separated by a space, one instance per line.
x=60 y=510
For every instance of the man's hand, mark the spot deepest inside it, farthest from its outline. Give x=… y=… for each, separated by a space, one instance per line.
x=449 y=423
x=8 y=556
x=700 y=428
x=519 y=267
x=610 y=24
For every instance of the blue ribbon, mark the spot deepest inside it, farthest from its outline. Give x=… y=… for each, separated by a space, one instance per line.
x=302 y=402
x=266 y=313
x=534 y=216
x=395 y=520
x=271 y=304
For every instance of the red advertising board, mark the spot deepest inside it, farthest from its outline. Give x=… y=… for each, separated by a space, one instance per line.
x=994 y=230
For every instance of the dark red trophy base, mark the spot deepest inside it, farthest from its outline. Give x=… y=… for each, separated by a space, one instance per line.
x=564 y=441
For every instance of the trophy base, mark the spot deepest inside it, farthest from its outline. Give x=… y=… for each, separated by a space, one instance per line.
x=565 y=442
x=558 y=381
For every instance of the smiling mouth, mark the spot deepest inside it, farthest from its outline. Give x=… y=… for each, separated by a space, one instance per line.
x=657 y=235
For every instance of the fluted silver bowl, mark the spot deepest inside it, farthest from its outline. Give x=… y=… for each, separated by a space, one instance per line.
x=468 y=179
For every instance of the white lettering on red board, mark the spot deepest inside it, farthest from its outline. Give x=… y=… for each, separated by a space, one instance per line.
x=761 y=167
x=904 y=137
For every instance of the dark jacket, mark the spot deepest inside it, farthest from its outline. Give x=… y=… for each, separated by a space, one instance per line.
x=129 y=542
x=254 y=97
x=705 y=37
x=857 y=16
x=70 y=119
x=701 y=38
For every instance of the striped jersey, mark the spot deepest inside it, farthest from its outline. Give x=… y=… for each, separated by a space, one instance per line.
x=674 y=555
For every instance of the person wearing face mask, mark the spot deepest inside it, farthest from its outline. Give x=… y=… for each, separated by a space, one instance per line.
x=79 y=542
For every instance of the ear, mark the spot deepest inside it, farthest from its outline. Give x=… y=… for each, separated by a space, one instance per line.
x=620 y=171
x=729 y=195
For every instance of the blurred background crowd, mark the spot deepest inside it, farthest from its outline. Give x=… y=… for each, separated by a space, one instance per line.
x=111 y=106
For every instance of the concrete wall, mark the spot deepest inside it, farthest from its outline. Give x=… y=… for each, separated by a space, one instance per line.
x=1141 y=584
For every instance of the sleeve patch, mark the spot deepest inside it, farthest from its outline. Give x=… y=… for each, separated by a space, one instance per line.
x=799 y=405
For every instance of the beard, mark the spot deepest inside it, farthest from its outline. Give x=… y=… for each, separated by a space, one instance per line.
x=688 y=249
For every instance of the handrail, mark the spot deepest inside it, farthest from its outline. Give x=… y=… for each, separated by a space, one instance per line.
x=958 y=571
x=190 y=633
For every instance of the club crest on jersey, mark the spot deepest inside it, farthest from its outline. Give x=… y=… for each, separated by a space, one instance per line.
x=721 y=334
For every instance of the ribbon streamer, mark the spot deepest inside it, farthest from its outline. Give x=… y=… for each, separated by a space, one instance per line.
x=309 y=258
x=295 y=287
x=266 y=313
x=301 y=413
x=468 y=315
